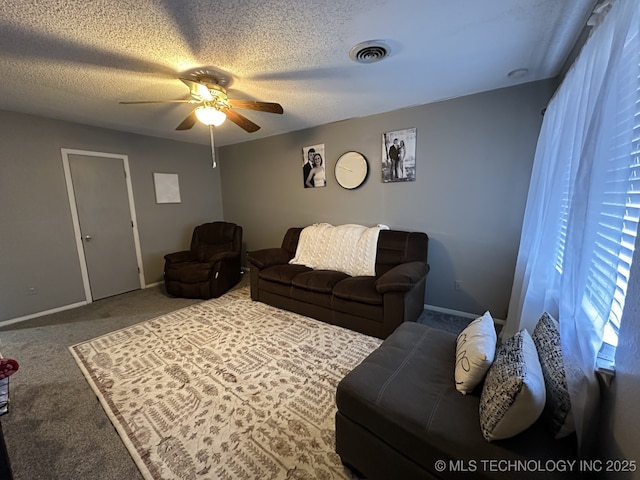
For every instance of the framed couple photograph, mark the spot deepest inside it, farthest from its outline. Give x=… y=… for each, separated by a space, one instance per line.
x=314 y=173
x=399 y=156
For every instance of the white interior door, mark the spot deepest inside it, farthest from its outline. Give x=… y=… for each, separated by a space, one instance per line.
x=104 y=223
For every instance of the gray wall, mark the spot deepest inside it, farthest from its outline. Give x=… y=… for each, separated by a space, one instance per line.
x=474 y=158
x=37 y=246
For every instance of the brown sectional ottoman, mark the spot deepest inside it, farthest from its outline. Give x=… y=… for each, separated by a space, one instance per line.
x=399 y=413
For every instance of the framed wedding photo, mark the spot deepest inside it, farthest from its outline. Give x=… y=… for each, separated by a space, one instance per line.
x=399 y=156
x=314 y=173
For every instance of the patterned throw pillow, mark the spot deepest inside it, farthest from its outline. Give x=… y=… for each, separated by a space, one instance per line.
x=557 y=412
x=513 y=396
x=475 y=350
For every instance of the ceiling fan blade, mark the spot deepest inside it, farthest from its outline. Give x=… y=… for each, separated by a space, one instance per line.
x=158 y=101
x=188 y=122
x=242 y=121
x=260 y=106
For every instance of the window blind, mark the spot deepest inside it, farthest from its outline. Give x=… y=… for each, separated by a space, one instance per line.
x=610 y=262
x=618 y=228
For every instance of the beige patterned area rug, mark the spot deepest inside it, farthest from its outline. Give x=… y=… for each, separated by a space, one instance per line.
x=225 y=389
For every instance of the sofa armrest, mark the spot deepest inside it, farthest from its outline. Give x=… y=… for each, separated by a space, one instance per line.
x=268 y=257
x=219 y=259
x=402 y=278
x=184 y=256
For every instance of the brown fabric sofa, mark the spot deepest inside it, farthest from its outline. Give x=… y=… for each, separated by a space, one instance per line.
x=374 y=305
x=400 y=416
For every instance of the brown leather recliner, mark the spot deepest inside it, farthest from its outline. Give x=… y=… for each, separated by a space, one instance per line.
x=210 y=267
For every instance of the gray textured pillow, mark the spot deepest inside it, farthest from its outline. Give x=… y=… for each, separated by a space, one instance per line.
x=513 y=396
x=557 y=412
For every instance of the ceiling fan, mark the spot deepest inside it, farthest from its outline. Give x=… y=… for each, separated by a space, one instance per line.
x=215 y=106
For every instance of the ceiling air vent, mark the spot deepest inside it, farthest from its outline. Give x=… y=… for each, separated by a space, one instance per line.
x=369 y=52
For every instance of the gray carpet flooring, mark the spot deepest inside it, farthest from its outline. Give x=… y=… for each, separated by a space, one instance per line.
x=56 y=428
x=444 y=321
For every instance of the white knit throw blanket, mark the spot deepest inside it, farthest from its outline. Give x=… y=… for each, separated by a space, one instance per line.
x=345 y=248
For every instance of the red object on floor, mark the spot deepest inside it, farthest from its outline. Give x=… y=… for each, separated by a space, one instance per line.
x=8 y=366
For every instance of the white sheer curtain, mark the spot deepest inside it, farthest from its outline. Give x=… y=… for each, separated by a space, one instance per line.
x=588 y=122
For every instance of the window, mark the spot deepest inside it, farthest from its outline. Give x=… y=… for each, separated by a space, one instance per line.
x=581 y=219
x=610 y=262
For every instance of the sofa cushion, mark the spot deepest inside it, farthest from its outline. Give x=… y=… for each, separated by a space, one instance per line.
x=283 y=274
x=346 y=308
x=358 y=289
x=309 y=297
x=276 y=288
x=513 y=395
x=475 y=350
x=321 y=281
x=557 y=412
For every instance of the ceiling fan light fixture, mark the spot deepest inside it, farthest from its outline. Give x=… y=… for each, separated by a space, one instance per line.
x=210 y=116
x=370 y=51
x=203 y=92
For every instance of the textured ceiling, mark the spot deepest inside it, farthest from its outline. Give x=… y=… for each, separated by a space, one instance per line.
x=76 y=59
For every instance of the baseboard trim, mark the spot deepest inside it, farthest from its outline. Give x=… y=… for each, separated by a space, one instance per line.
x=31 y=316
x=450 y=311
x=460 y=313
x=11 y=321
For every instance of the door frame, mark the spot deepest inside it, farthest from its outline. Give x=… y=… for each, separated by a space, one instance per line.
x=65 y=152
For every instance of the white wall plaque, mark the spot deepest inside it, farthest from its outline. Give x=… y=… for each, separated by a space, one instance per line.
x=167 y=187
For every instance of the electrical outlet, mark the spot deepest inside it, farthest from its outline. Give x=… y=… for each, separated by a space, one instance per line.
x=457 y=285
x=32 y=291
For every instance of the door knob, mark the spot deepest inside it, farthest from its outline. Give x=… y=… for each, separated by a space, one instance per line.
x=87 y=238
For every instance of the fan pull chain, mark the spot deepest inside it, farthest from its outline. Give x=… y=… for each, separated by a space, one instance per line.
x=213 y=150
